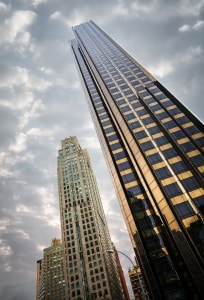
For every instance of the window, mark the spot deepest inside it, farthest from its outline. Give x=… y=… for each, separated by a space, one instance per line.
x=108 y=130
x=184 y=210
x=147 y=146
x=174 y=111
x=162 y=140
x=134 y=191
x=179 y=167
x=188 y=146
x=182 y=120
x=190 y=183
x=128 y=178
x=172 y=190
x=154 y=158
x=178 y=134
x=191 y=130
x=129 y=116
x=119 y=155
x=140 y=134
x=112 y=137
x=124 y=108
x=160 y=97
x=199 y=202
x=198 y=160
x=170 y=124
x=124 y=166
x=141 y=112
x=154 y=130
x=115 y=146
x=169 y=153
x=134 y=125
x=163 y=173
x=147 y=120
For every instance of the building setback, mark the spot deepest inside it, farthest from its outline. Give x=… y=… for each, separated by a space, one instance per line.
x=153 y=146
x=50 y=273
x=90 y=271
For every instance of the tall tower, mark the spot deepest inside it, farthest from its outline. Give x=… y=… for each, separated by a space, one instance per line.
x=154 y=149
x=50 y=273
x=90 y=272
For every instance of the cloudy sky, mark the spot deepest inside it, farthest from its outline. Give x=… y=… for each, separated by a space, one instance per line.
x=42 y=102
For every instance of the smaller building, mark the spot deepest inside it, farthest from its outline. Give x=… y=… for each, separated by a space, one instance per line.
x=138 y=285
x=50 y=273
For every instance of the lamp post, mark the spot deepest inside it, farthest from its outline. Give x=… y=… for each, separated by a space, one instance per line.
x=144 y=295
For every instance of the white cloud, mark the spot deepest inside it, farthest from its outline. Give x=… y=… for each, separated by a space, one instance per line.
x=198 y=25
x=162 y=69
x=37 y=2
x=18 y=76
x=39 y=132
x=20 y=143
x=184 y=28
x=14 y=28
x=4 y=8
x=187 y=28
x=35 y=110
x=22 y=234
x=56 y=16
x=21 y=208
x=4 y=248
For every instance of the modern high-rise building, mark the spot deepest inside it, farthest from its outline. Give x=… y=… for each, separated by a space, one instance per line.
x=50 y=273
x=153 y=146
x=90 y=271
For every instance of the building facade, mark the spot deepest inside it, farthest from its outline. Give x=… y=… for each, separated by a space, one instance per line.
x=153 y=146
x=138 y=285
x=50 y=273
x=90 y=272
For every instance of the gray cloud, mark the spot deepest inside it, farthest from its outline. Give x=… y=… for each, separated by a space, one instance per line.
x=42 y=102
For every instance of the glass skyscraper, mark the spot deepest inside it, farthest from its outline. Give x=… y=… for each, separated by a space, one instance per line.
x=90 y=271
x=153 y=146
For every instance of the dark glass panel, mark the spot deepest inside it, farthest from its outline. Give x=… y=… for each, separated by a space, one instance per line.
x=163 y=173
x=190 y=183
x=109 y=129
x=154 y=129
x=188 y=146
x=134 y=191
x=124 y=108
x=184 y=210
x=147 y=120
x=129 y=116
x=162 y=140
x=140 y=134
x=115 y=146
x=124 y=166
x=169 y=153
x=128 y=178
x=119 y=155
x=198 y=160
x=112 y=137
x=179 y=167
x=191 y=130
x=154 y=158
x=134 y=125
x=147 y=146
x=141 y=112
x=172 y=190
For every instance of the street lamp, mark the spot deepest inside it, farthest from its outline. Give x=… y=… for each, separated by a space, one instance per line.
x=144 y=292
x=112 y=251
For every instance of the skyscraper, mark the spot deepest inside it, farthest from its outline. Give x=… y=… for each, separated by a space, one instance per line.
x=153 y=146
x=50 y=273
x=90 y=272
